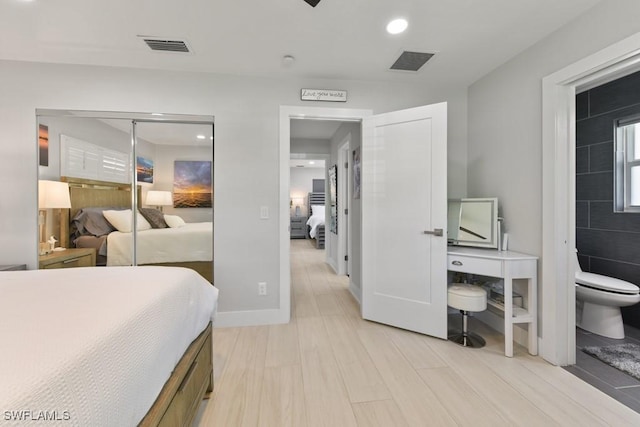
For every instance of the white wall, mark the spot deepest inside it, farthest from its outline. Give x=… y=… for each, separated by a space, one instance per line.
x=246 y=173
x=505 y=124
x=309 y=146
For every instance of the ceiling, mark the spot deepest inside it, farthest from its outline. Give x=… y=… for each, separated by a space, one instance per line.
x=338 y=39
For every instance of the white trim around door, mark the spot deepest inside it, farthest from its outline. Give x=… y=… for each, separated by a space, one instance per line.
x=558 y=344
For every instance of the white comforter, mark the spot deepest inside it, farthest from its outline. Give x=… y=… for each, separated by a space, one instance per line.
x=192 y=242
x=94 y=346
x=314 y=221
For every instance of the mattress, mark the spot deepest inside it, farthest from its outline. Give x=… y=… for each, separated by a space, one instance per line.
x=314 y=222
x=192 y=242
x=94 y=346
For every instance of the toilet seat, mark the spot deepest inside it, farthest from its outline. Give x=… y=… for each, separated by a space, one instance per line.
x=606 y=284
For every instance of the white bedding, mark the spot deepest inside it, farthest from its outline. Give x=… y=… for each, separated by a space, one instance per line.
x=314 y=221
x=94 y=346
x=193 y=242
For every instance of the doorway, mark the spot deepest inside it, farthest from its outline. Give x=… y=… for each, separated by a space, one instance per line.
x=287 y=113
x=558 y=187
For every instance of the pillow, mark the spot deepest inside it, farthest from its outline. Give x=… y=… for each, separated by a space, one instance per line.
x=174 y=221
x=154 y=216
x=91 y=222
x=121 y=220
x=317 y=210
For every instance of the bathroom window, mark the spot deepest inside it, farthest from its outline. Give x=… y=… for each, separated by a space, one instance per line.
x=627 y=165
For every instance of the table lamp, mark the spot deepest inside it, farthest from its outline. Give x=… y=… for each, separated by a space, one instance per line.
x=51 y=195
x=159 y=199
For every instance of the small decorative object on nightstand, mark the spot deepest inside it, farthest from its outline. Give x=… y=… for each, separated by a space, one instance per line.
x=78 y=257
x=13 y=267
x=298 y=227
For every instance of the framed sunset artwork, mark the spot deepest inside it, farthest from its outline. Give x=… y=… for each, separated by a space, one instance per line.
x=192 y=186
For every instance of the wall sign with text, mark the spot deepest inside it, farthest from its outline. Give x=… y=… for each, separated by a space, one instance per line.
x=323 y=95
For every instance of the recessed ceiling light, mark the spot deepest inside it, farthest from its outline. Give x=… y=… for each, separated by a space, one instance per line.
x=397 y=26
x=201 y=137
x=211 y=137
x=311 y=162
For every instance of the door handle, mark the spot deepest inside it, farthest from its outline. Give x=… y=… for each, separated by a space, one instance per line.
x=435 y=232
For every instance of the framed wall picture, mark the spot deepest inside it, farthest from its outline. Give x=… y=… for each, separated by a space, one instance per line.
x=333 y=199
x=192 y=186
x=144 y=170
x=356 y=173
x=43 y=144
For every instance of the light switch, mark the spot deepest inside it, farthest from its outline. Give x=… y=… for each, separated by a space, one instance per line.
x=264 y=212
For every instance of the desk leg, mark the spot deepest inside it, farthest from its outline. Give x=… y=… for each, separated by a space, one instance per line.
x=533 y=308
x=508 y=316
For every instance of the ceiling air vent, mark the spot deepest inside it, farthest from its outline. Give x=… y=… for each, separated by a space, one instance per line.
x=411 y=61
x=167 y=45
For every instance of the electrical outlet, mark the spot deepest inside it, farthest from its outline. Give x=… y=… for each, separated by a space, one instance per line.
x=262 y=288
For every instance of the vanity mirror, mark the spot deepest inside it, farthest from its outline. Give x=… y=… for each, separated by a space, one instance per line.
x=110 y=163
x=473 y=222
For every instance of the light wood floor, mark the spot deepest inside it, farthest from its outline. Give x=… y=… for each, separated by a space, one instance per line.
x=328 y=367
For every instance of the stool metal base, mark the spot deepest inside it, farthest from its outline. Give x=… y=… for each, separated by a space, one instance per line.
x=470 y=339
x=466 y=338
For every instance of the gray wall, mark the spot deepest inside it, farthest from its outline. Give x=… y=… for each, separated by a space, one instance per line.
x=505 y=123
x=505 y=119
x=246 y=111
x=608 y=242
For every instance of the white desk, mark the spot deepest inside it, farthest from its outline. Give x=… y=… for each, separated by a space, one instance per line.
x=507 y=265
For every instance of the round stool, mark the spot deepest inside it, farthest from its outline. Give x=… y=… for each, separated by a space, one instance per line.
x=466 y=298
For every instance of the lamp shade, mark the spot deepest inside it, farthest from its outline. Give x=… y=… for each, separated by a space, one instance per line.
x=53 y=195
x=159 y=198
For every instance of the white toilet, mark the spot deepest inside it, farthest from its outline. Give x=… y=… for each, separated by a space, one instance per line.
x=599 y=299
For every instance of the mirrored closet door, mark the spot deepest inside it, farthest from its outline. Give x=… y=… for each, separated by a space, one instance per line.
x=125 y=189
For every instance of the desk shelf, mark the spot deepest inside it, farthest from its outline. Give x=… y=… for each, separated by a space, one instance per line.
x=520 y=314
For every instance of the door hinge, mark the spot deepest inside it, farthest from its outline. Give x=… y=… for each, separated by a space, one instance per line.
x=346 y=211
x=346 y=165
x=346 y=257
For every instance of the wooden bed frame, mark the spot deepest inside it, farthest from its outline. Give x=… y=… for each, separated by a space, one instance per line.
x=191 y=381
x=317 y=198
x=90 y=193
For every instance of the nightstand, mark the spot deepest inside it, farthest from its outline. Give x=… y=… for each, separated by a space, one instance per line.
x=298 y=227
x=76 y=257
x=13 y=267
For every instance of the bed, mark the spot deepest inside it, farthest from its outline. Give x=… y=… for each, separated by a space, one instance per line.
x=316 y=221
x=185 y=245
x=105 y=346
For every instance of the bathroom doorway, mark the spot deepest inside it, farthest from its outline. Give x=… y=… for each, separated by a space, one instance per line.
x=559 y=202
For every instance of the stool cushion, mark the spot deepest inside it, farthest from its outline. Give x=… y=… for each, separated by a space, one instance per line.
x=467 y=297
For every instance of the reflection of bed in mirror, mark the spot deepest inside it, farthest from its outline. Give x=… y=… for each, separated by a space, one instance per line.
x=473 y=222
x=315 y=223
x=185 y=245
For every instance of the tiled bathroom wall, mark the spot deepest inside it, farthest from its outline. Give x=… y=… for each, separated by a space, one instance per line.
x=608 y=243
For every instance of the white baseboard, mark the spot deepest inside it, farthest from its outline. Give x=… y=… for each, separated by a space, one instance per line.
x=355 y=291
x=227 y=319
x=333 y=265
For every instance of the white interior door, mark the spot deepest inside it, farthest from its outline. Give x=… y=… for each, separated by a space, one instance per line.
x=404 y=199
